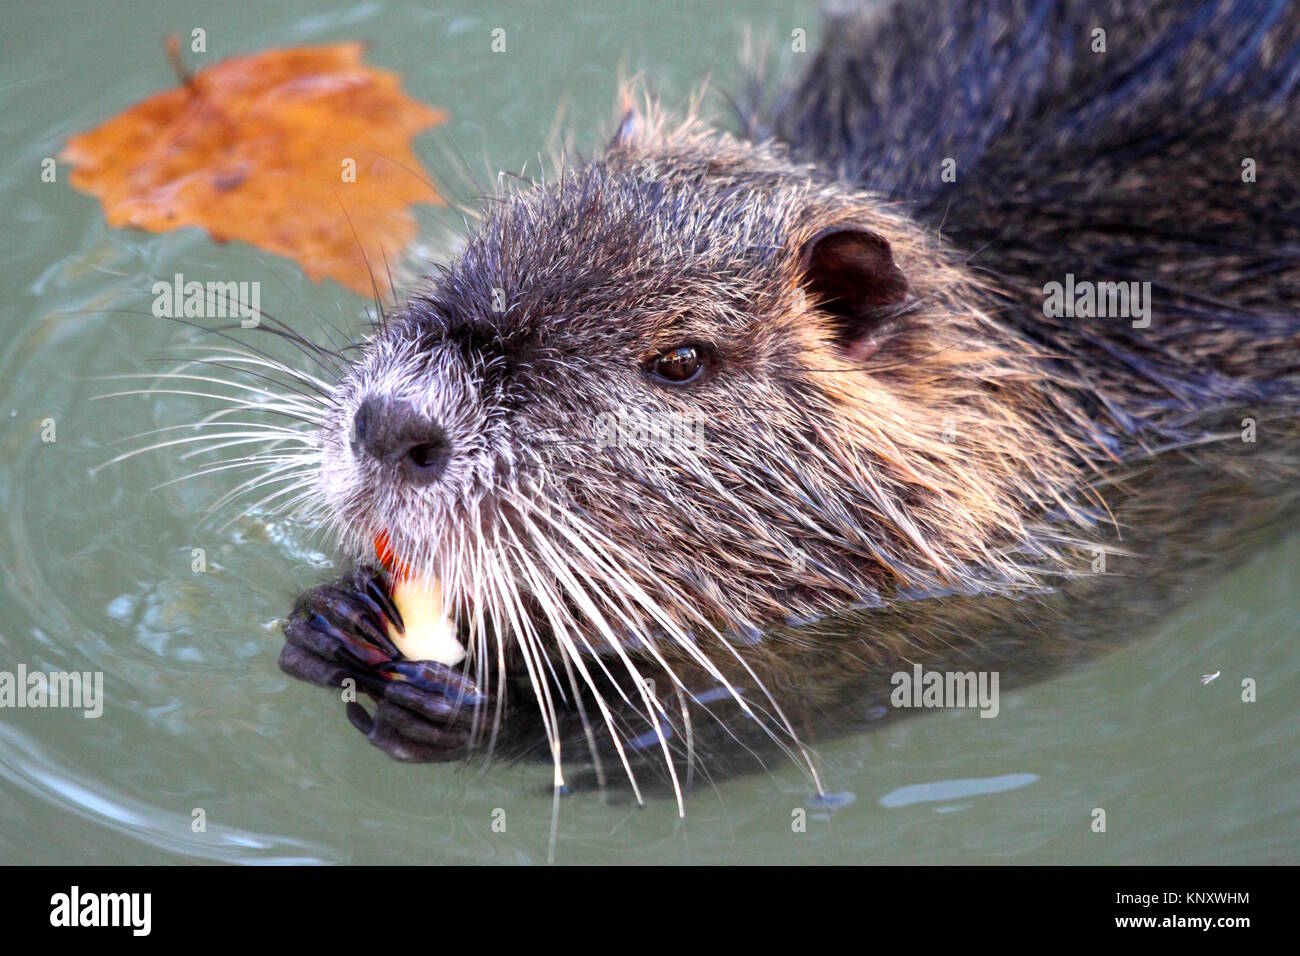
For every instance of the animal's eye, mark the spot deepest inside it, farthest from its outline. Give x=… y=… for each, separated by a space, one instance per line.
x=678 y=366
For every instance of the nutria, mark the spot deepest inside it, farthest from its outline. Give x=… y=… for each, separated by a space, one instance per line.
x=917 y=430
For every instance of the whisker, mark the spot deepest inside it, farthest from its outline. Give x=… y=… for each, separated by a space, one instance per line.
x=306 y=478
x=306 y=406
x=319 y=386
x=227 y=466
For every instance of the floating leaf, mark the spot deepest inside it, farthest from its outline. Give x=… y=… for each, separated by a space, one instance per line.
x=261 y=148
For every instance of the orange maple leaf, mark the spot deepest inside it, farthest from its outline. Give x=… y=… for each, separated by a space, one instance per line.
x=262 y=148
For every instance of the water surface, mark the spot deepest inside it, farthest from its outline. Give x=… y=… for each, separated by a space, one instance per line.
x=95 y=572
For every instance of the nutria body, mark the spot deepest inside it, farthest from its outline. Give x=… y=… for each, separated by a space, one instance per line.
x=904 y=453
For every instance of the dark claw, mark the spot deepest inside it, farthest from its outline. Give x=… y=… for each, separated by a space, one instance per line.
x=431 y=677
x=397 y=738
x=299 y=632
x=344 y=609
x=428 y=706
x=360 y=718
x=326 y=666
x=369 y=585
x=301 y=663
x=364 y=651
x=425 y=710
x=414 y=727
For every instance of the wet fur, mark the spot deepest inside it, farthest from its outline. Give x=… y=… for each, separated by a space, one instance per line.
x=897 y=509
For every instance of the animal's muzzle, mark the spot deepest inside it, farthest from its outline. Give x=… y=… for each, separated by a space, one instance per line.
x=396 y=435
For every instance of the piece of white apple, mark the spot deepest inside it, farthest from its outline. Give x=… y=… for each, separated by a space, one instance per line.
x=430 y=634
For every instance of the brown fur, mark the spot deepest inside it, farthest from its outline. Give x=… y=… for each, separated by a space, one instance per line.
x=939 y=490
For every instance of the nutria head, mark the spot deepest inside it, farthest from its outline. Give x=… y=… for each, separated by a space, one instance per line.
x=684 y=393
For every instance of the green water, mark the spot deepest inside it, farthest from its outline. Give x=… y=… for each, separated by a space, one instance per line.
x=95 y=571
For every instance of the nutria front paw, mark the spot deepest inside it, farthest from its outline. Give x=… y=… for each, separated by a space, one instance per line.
x=339 y=631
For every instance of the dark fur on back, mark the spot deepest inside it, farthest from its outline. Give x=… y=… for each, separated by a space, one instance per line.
x=1118 y=166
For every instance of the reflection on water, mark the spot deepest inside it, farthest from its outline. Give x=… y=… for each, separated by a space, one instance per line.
x=941 y=791
x=96 y=574
x=32 y=770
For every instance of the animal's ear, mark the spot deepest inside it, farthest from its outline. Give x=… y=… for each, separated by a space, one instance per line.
x=628 y=132
x=851 y=274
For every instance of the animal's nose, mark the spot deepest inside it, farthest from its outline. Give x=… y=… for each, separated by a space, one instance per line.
x=396 y=434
